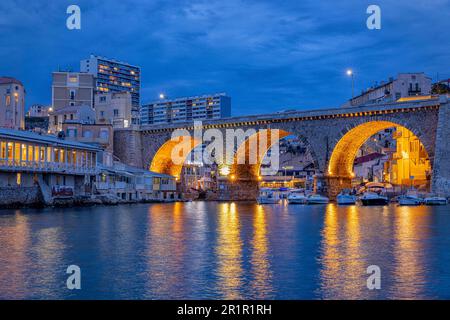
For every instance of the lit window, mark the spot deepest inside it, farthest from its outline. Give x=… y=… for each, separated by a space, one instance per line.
x=19 y=178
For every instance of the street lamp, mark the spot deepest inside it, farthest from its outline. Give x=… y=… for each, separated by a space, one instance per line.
x=162 y=96
x=350 y=74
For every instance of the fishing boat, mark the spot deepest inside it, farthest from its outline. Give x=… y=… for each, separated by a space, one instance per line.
x=345 y=198
x=296 y=197
x=268 y=196
x=435 y=201
x=316 y=199
x=370 y=198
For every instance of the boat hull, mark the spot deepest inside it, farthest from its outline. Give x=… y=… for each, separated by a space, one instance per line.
x=374 y=202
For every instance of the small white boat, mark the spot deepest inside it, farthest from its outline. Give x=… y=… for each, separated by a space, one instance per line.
x=409 y=200
x=373 y=199
x=268 y=196
x=296 y=197
x=435 y=201
x=345 y=198
x=317 y=199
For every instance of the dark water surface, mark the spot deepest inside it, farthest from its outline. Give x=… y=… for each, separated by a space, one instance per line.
x=207 y=250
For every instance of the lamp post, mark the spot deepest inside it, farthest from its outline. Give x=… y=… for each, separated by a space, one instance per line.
x=350 y=74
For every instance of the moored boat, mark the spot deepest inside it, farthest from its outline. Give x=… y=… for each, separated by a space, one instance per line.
x=296 y=197
x=316 y=199
x=345 y=198
x=268 y=196
x=409 y=200
x=435 y=201
x=373 y=199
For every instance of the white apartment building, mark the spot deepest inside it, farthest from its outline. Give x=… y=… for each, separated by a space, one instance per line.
x=114 y=108
x=166 y=111
x=12 y=103
x=405 y=85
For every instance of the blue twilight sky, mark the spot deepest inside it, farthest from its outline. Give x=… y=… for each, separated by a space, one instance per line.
x=267 y=55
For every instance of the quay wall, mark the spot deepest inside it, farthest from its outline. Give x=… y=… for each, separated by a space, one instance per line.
x=19 y=196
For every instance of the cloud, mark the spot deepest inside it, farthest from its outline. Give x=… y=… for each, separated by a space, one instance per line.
x=266 y=54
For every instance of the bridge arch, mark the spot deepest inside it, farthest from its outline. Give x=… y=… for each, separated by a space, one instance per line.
x=352 y=139
x=172 y=154
x=256 y=147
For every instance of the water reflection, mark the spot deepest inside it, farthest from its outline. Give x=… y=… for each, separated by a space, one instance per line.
x=207 y=250
x=409 y=250
x=14 y=240
x=166 y=247
x=262 y=275
x=229 y=252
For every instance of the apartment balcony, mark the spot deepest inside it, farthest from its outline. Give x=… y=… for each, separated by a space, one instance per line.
x=45 y=167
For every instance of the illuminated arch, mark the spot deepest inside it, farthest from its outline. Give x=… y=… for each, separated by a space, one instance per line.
x=163 y=160
x=344 y=153
x=249 y=170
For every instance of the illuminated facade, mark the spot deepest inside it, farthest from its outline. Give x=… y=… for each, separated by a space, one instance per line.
x=115 y=76
x=32 y=165
x=411 y=164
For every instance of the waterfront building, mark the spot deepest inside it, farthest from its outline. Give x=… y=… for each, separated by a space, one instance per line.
x=114 y=108
x=134 y=184
x=115 y=76
x=404 y=86
x=165 y=111
x=12 y=103
x=72 y=89
x=34 y=166
x=84 y=114
x=98 y=135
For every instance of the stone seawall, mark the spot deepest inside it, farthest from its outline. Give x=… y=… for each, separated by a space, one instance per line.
x=13 y=197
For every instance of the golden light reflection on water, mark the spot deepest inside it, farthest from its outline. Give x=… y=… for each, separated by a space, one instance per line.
x=347 y=251
x=14 y=242
x=409 y=270
x=166 y=248
x=229 y=252
x=261 y=285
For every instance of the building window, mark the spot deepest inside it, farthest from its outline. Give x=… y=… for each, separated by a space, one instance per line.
x=87 y=134
x=104 y=134
x=72 y=94
x=116 y=112
x=102 y=99
x=19 y=178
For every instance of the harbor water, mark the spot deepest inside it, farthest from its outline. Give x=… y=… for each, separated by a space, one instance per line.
x=213 y=250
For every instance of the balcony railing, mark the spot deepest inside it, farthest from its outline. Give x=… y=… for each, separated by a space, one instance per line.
x=37 y=166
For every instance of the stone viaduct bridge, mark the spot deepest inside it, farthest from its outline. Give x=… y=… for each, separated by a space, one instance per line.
x=334 y=136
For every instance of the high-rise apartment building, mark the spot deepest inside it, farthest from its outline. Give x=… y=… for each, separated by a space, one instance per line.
x=12 y=103
x=71 y=89
x=115 y=76
x=165 y=111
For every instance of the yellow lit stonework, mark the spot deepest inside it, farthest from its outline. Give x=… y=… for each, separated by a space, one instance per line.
x=411 y=158
x=168 y=160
